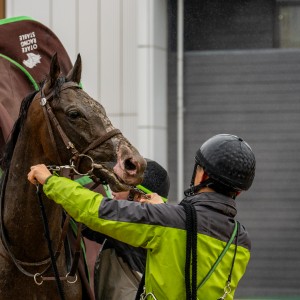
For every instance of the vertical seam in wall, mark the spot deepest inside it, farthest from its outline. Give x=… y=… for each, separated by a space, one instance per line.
x=121 y=65
x=12 y=8
x=150 y=74
x=99 y=50
x=50 y=14
x=77 y=27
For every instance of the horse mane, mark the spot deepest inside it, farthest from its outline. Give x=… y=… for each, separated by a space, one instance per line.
x=11 y=143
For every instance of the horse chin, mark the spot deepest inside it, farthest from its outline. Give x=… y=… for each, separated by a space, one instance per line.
x=108 y=176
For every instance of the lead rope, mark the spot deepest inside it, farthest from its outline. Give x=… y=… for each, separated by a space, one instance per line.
x=191 y=227
x=191 y=254
x=47 y=236
x=227 y=288
x=191 y=250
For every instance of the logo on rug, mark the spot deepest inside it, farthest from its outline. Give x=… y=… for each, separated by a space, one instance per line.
x=32 y=60
x=28 y=43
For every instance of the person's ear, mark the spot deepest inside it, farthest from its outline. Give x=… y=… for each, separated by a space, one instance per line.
x=204 y=177
x=201 y=175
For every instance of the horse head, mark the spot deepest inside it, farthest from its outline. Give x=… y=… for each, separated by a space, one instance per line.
x=78 y=130
x=59 y=125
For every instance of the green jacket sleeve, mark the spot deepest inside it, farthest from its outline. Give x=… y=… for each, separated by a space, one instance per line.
x=81 y=203
x=86 y=207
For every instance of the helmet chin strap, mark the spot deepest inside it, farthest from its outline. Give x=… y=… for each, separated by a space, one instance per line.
x=196 y=188
x=192 y=190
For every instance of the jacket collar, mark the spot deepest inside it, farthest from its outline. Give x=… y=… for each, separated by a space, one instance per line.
x=216 y=201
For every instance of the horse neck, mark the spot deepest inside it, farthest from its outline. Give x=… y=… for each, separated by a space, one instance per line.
x=21 y=214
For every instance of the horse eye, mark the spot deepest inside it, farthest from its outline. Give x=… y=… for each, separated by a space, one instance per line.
x=73 y=114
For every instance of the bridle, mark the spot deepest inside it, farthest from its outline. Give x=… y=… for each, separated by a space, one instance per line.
x=52 y=121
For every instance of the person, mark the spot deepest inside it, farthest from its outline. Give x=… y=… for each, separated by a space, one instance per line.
x=119 y=267
x=196 y=249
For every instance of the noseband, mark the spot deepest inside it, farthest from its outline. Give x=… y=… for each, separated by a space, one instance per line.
x=51 y=119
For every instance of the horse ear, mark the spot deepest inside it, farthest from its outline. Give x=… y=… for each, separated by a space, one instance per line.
x=53 y=75
x=75 y=73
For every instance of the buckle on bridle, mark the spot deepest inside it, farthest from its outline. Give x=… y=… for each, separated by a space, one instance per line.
x=72 y=166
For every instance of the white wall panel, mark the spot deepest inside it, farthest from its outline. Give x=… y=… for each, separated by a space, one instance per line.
x=9 y=8
x=155 y=151
x=37 y=9
x=159 y=151
x=152 y=74
x=158 y=102
x=110 y=55
x=144 y=136
x=144 y=87
x=152 y=92
x=158 y=31
x=88 y=45
x=129 y=60
x=64 y=24
x=144 y=10
x=128 y=128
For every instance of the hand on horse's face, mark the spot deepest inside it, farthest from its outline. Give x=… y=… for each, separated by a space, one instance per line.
x=38 y=173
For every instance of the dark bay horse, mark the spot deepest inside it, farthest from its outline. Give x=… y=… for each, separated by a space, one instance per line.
x=58 y=125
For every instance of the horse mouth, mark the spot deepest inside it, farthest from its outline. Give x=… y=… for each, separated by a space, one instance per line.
x=108 y=176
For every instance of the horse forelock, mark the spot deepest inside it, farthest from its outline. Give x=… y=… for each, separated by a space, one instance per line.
x=56 y=87
x=58 y=84
x=11 y=143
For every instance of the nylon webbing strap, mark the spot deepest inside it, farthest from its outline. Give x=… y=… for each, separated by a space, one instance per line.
x=220 y=256
x=77 y=251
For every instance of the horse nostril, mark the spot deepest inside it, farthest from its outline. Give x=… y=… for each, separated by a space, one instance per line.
x=129 y=165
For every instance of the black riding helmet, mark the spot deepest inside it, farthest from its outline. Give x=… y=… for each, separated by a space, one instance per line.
x=228 y=161
x=156 y=180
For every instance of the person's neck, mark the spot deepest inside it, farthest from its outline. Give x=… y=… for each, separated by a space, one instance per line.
x=206 y=190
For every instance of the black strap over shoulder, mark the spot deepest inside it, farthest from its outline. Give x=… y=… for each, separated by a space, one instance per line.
x=141 y=288
x=191 y=255
x=191 y=250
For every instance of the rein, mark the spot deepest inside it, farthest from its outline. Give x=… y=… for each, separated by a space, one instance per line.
x=51 y=119
x=19 y=263
x=47 y=236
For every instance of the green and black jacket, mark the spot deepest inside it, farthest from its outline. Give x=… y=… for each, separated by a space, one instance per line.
x=160 y=229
